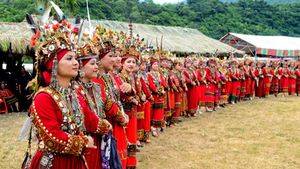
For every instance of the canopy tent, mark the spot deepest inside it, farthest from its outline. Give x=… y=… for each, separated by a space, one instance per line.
x=281 y=46
x=16 y=37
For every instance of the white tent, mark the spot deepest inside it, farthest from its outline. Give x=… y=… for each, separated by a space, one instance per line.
x=264 y=45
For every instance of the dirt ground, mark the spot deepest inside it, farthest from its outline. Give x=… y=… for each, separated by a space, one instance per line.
x=263 y=133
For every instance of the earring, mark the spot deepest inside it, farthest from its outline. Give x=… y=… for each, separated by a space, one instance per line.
x=81 y=74
x=100 y=66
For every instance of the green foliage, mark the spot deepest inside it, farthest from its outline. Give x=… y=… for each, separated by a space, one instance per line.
x=269 y=1
x=213 y=17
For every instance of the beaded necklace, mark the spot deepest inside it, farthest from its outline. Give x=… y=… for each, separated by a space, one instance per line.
x=111 y=91
x=94 y=98
x=144 y=76
x=155 y=78
x=68 y=103
x=127 y=78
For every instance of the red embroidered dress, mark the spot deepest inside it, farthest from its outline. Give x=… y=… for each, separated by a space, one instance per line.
x=192 y=95
x=131 y=110
x=96 y=101
x=267 y=80
x=292 y=81
x=297 y=72
x=155 y=80
x=114 y=113
x=275 y=81
x=201 y=76
x=60 y=130
x=144 y=124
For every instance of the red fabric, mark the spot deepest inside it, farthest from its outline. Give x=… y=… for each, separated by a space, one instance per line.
x=59 y=162
x=157 y=113
x=217 y=87
x=253 y=81
x=171 y=99
x=297 y=72
x=260 y=88
x=118 y=129
x=51 y=117
x=292 y=82
x=192 y=93
x=131 y=132
x=5 y=93
x=266 y=81
x=284 y=81
x=210 y=89
x=274 y=82
x=131 y=129
x=235 y=85
x=178 y=108
x=248 y=81
x=201 y=76
x=85 y=61
x=47 y=74
x=176 y=85
x=146 y=122
x=147 y=117
x=3 y=106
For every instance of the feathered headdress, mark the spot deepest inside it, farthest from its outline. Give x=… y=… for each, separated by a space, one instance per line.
x=51 y=41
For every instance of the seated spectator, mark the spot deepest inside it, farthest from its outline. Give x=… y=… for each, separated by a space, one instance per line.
x=9 y=97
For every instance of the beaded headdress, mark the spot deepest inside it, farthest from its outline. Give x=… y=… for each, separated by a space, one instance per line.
x=105 y=40
x=50 y=41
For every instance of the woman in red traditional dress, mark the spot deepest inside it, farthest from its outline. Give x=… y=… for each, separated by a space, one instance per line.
x=234 y=76
x=141 y=96
x=266 y=80
x=196 y=67
x=169 y=103
x=248 y=79
x=192 y=94
x=242 y=81
x=297 y=72
x=155 y=80
x=211 y=86
x=224 y=77
x=144 y=125
x=177 y=85
x=253 y=79
x=284 y=80
x=218 y=84
x=292 y=79
x=8 y=97
x=259 y=81
x=130 y=100
x=113 y=107
x=275 y=79
x=59 y=114
x=99 y=101
x=201 y=76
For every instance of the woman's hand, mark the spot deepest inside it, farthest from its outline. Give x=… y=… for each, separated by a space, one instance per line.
x=125 y=87
x=90 y=143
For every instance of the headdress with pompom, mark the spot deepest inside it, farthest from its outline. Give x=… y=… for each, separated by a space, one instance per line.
x=51 y=42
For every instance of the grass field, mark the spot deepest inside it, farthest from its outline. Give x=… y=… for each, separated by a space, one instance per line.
x=263 y=134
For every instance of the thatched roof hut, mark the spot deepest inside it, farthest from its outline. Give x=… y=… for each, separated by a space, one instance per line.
x=175 y=39
x=16 y=37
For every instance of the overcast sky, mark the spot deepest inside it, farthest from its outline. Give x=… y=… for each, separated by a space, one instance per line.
x=166 y=1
